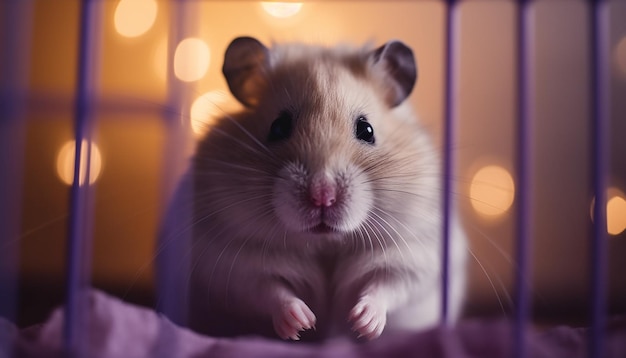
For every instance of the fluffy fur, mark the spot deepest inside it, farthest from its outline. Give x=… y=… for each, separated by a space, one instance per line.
x=265 y=259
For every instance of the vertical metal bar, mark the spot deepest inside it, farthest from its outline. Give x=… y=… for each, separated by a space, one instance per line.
x=81 y=213
x=524 y=176
x=176 y=241
x=15 y=31
x=448 y=157
x=600 y=117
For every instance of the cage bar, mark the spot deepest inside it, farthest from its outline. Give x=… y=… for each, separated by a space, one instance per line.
x=451 y=25
x=81 y=196
x=15 y=39
x=600 y=122
x=175 y=246
x=524 y=224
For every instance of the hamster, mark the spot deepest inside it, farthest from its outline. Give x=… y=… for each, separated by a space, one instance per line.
x=316 y=210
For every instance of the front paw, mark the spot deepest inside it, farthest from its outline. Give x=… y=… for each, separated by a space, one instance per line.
x=291 y=318
x=368 y=317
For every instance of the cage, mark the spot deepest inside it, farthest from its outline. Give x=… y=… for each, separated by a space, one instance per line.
x=523 y=98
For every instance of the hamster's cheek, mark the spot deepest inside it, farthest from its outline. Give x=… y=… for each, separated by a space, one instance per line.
x=289 y=186
x=356 y=199
x=347 y=192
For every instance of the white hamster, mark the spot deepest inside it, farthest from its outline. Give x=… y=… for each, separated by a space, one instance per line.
x=316 y=210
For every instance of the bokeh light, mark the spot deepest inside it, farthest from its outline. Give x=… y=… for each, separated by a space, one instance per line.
x=615 y=211
x=281 y=9
x=209 y=107
x=66 y=160
x=492 y=191
x=616 y=215
x=191 y=59
x=134 y=17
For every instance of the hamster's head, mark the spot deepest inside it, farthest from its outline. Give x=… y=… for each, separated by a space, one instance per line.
x=322 y=144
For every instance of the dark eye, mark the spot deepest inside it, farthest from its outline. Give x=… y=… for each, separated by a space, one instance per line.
x=281 y=127
x=364 y=130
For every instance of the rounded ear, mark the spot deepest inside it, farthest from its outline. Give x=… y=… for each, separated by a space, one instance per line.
x=244 y=67
x=396 y=61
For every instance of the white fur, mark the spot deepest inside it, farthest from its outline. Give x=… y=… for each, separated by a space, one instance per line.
x=255 y=259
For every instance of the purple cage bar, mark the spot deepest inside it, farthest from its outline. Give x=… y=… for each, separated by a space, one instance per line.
x=15 y=41
x=600 y=122
x=523 y=195
x=81 y=210
x=171 y=292
x=448 y=156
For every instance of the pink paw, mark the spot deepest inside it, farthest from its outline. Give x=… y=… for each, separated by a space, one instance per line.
x=293 y=317
x=368 y=318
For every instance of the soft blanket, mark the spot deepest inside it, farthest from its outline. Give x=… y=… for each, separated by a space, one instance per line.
x=113 y=328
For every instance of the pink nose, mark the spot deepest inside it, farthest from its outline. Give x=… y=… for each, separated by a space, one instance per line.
x=323 y=192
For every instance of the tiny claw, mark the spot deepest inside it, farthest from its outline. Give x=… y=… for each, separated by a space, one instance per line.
x=293 y=317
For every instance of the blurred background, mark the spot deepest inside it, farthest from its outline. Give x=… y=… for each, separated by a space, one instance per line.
x=159 y=85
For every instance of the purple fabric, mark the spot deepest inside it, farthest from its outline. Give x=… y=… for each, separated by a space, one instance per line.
x=118 y=329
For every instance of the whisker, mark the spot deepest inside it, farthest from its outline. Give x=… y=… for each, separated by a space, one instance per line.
x=508 y=297
x=378 y=218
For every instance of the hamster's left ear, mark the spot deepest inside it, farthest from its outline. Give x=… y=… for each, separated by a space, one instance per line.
x=396 y=61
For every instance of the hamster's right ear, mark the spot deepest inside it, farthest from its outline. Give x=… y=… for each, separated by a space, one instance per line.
x=245 y=62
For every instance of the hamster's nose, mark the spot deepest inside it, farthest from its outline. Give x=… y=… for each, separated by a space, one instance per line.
x=323 y=192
